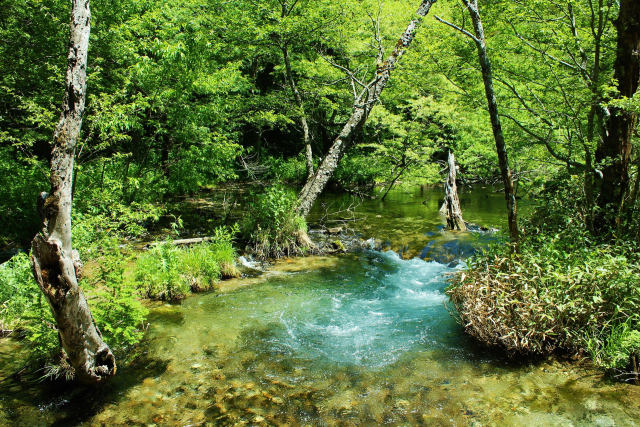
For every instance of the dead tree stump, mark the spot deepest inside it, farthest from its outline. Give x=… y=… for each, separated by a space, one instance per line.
x=451 y=206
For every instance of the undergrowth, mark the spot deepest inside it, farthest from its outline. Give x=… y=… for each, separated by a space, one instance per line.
x=563 y=292
x=170 y=272
x=272 y=228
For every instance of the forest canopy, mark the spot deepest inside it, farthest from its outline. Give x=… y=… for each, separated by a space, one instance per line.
x=295 y=96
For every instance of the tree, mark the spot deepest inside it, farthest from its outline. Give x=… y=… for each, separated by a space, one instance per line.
x=363 y=102
x=496 y=126
x=56 y=266
x=286 y=11
x=614 y=153
x=404 y=138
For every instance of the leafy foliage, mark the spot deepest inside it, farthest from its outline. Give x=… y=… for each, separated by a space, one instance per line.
x=563 y=291
x=272 y=228
x=115 y=306
x=169 y=272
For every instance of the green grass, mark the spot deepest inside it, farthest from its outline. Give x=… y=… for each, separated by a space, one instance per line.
x=566 y=291
x=169 y=272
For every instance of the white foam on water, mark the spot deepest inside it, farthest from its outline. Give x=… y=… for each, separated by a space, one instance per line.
x=371 y=319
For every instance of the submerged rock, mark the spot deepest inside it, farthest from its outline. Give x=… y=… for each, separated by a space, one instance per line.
x=335 y=230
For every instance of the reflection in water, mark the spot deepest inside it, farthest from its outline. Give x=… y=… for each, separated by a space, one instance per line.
x=359 y=339
x=362 y=339
x=409 y=222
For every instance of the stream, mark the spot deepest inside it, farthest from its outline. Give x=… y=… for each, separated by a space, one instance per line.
x=356 y=339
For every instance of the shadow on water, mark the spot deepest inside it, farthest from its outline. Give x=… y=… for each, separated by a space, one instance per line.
x=364 y=339
x=63 y=403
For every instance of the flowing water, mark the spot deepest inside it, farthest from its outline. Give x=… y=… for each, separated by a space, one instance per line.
x=357 y=339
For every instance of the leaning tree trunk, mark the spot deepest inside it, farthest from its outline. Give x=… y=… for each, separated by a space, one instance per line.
x=614 y=153
x=501 y=147
x=303 y=118
x=451 y=206
x=56 y=266
x=361 y=109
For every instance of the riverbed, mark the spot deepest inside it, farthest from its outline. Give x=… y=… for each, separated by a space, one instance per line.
x=366 y=338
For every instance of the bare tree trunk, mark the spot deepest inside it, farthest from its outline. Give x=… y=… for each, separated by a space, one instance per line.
x=451 y=206
x=614 y=153
x=501 y=147
x=56 y=266
x=361 y=109
x=303 y=117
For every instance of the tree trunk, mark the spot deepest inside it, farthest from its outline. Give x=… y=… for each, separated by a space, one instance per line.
x=487 y=76
x=361 y=109
x=614 y=153
x=303 y=117
x=56 y=266
x=451 y=206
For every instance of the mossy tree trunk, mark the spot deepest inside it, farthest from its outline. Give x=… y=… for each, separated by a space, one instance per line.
x=56 y=266
x=613 y=155
x=363 y=104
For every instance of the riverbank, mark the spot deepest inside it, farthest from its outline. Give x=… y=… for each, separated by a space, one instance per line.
x=362 y=338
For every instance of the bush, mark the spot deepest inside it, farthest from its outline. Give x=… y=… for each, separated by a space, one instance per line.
x=24 y=310
x=564 y=291
x=546 y=298
x=115 y=307
x=17 y=290
x=292 y=170
x=360 y=172
x=168 y=272
x=272 y=227
x=117 y=312
x=621 y=352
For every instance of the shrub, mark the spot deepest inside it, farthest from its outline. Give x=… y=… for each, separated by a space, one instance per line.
x=24 y=309
x=158 y=273
x=17 y=290
x=169 y=272
x=545 y=298
x=272 y=227
x=292 y=170
x=117 y=312
x=564 y=291
x=621 y=351
x=115 y=306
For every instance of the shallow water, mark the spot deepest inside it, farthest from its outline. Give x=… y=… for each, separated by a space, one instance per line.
x=359 y=339
x=409 y=221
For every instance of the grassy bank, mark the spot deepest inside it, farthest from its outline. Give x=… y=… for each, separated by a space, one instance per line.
x=564 y=292
x=118 y=280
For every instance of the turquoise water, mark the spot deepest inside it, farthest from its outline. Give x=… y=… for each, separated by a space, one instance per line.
x=369 y=317
x=357 y=339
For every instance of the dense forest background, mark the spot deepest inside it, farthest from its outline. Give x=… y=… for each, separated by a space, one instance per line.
x=193 y=94
x=179 y=92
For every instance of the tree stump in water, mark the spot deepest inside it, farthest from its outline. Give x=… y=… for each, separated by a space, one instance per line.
x=451 y=206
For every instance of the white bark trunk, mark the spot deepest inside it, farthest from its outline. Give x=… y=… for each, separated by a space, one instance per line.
x=316 y=184
x=451 y=207
x=56 y=266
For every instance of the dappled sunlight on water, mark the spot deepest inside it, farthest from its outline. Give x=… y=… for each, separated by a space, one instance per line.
x=359 y=339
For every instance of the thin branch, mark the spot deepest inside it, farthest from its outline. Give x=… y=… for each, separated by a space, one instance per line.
x=455 y=27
